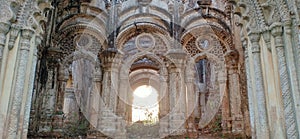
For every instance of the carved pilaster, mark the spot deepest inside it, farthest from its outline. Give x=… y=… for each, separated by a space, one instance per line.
x=289 y=109
x=249 y=89
x=19 y=84
x=261 y=116
x=232 y=59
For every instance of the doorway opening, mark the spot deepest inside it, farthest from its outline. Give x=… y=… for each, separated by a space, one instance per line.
x=145 y=107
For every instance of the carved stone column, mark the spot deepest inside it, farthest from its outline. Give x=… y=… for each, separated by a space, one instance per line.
x=95 y=103
x=108 y=94
x=288 y=103
x=226 y=119
x=191 y=99
x=249 y=89
x=177 y=92
x=4 y=28
x=176 y=120
x=58 y=115
x=163 y=106
x=29 y=91
x=70 y=106
x=261 y=117
x=122 y=100
x=109 y=124
x=292 y=71
x=232 y=59
x=19 y=84
x=4 y=95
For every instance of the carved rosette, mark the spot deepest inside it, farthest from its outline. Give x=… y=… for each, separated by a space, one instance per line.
x=83 y=41
x=204 y=43
x=145 y=42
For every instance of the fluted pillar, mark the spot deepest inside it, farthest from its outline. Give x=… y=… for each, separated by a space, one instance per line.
x=19 y=83
x=261 y=116
x=249 y=89
x=288 y=103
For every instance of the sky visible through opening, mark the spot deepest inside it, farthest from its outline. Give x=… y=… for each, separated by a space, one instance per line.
x=145 y=102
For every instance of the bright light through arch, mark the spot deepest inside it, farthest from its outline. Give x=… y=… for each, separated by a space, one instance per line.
x=145 y=101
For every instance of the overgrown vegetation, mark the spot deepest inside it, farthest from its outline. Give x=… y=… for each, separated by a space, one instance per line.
x=76 y=126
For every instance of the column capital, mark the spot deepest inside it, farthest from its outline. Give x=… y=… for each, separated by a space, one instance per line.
x=14 y=31
x=245 y=46
x=267 y=38
x=27 y=33
x=107 y=57
x=276 y=29
x=277 y=32
x=254 y=37
x=232 y=59
x=244 y=42
x=26 y=36
x=38 y=40
x=4 y=27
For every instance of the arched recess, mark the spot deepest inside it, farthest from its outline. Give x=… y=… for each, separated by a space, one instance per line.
x=68 y=38
x=206 y=43
x=79 y=46
x=212 y=90
x=81 y=93
x=144 y=77
x=130 y=80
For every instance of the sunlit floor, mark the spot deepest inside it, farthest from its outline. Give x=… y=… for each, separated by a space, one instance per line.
x=145 y=104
